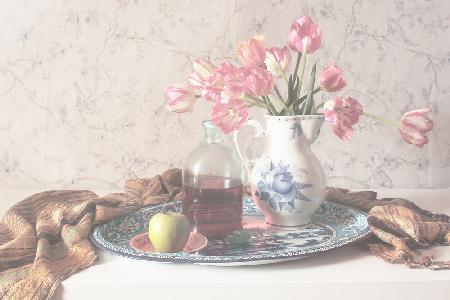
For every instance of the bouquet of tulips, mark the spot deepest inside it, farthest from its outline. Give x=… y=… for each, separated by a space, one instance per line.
x=232 y=90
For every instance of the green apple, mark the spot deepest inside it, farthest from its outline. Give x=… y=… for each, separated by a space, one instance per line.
x=169 y=231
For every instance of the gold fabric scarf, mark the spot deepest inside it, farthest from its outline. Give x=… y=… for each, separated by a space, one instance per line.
x=45 y=238
x=401 y=228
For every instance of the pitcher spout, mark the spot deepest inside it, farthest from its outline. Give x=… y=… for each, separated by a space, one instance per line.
x=311 y=125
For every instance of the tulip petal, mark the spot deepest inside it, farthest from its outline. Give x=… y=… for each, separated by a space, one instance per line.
x=303 y=29
x=230 y=116
x=342 y=114
x=414 y=125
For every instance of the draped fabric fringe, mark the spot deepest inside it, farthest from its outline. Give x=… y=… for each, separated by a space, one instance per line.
x=401 y=228
x=45 y=238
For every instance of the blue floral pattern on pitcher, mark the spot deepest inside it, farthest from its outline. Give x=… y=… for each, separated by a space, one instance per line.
x=277 y=187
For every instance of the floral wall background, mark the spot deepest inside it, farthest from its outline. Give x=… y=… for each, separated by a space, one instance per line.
x=81 y=102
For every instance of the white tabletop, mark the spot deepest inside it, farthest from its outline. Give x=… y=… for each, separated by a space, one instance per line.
x=345 y=273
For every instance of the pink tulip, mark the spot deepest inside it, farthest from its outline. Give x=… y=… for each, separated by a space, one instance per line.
x=203 y=69
x=227 y=73
x=210 y=88
x=304 y=34
x=180 y=98
x=197 y=81
x=226 y=82
x=278 y=60
x=231 y=115
x=259 y=82
x=251 y=53
x=342 y=114
x=414 y=125
x=331 y=79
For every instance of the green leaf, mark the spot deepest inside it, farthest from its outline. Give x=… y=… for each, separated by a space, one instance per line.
x=281 y=101
x=309 y=105
x=293 y=80
x=272 y=109
x=290 y=88
x=301 y=108
x=297 y=63
x=302 y=73
x=292 y=94
x=300 y=100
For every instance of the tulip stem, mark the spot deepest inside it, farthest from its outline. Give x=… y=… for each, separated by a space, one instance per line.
x=254 y=102
x=271 y=108
x=292 y=84
x=309 y=105
x=302 y=71
x=262 y=105
x=282 y=102
x=300 y=100
x=277 y=100
x=384 y=120
x=282 y=72
x=257 y=102
x=285 y=78
x=297 y=63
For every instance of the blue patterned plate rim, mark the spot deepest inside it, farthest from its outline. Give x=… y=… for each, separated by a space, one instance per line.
x=335 y=224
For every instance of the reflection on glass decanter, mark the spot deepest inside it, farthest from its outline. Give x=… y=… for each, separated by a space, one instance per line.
x=212 y=186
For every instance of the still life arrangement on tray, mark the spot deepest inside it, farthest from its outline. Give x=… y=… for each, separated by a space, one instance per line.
x=287 y=181
x=286 y=217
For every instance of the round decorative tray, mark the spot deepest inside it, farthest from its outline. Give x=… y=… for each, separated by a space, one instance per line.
x=332 y=226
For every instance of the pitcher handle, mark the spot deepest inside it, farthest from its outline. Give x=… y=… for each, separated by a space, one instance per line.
x=260 y=132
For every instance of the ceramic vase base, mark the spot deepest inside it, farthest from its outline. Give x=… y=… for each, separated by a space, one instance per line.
x=287 y=228
x=291 y=225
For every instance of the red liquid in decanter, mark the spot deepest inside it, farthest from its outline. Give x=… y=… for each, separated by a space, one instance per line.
x=213 y=210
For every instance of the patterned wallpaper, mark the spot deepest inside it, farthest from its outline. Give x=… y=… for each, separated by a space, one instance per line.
x=81 y=103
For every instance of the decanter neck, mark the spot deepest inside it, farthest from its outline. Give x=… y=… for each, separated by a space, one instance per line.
x=213 y=134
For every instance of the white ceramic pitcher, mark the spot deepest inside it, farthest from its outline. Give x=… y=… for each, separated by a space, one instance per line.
x=287 y=181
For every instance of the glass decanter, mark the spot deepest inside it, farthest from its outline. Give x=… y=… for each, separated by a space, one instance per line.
x=212 y=186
